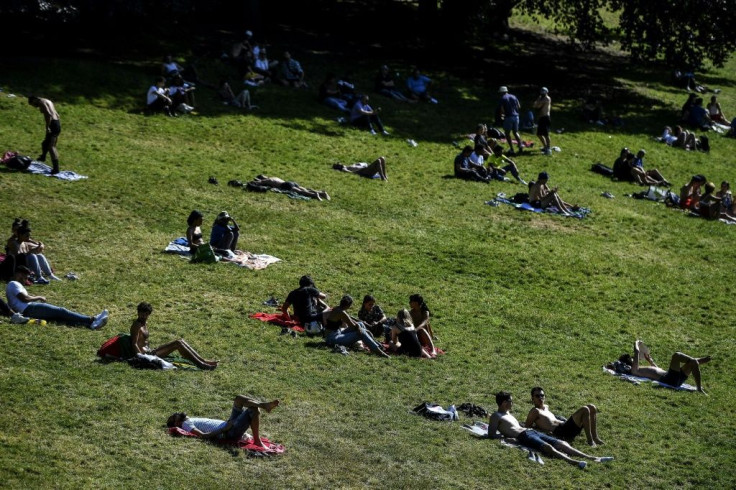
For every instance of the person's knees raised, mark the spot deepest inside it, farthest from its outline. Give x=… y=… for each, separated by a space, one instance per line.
x=593 y=409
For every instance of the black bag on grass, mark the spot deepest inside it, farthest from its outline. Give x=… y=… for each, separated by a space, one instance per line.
x=599 y=168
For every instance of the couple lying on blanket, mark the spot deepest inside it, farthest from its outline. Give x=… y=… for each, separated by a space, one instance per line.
x=681 y=366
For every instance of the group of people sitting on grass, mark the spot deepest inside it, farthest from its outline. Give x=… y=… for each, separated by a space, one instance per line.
x=682 y=138
x=710 y=204
x=470 y=164
x=711 y=117
x=178 y=97
x=629 y=167
x=409 y=333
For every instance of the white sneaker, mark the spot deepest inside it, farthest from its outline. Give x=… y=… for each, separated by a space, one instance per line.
x=54 y=277
x=99 y=321
x=19 y=319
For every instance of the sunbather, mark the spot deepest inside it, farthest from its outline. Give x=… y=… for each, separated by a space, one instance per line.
x=276 y=183
x=585 y=418
x=365 y=170
x=690 y=192
x=139 y=341
x=341 y=329
x=504 y=425
x=541 y=196
x=194 y=232
x=245 y=414
x=646 y=177
x=681 y=366
x=37 y=307
x=224 y=237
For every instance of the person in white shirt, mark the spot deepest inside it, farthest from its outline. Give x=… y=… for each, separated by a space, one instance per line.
x=36 y=307
x=157 y=99
x=245 y=413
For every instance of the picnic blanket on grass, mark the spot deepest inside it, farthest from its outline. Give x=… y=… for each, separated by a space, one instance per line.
x=245 y=443
x=501 y=198
x=39 y=168
x=480 y=430
x=278 y=319
x=180 y=246
x=637 y=380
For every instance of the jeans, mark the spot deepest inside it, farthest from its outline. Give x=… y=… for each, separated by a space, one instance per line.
x=241 y=419
x=348 y=338
x=38 y=265
x=336 y=103
x=45 y=311
x=366 y=121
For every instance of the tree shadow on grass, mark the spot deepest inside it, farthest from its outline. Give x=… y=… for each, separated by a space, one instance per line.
x=466 y=86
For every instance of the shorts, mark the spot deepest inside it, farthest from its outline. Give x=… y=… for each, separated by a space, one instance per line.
x=567 y=431
x=241 y=419
x=54 y=128
x=511 y=123
x=673 y=378
x=287 y=186
x=536 y=440
x=543 y=126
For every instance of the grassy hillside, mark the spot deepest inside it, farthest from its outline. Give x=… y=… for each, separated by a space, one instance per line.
x=517 y=299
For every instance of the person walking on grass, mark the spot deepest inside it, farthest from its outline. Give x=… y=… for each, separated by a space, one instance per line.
x=245 y=413
x=584 y=418
x=543 y=105
x=504 y=425
x=510 y=107
x=36 y=306
x=53 y=129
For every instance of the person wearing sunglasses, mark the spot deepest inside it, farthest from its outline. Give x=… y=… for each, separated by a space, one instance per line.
x=585 y=418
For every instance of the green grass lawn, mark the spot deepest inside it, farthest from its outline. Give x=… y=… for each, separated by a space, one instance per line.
x=518 y=299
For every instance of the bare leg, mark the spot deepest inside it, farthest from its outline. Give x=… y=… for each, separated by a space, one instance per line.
x=186 y=352
x=594 y=424
x=518 y=140
x=582 y=419
x=427 y=345
x=382 y=168
x=565 y=448
x=554 y=453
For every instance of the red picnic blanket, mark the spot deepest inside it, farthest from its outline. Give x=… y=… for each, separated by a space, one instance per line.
x=278 y=319
x=246 y=443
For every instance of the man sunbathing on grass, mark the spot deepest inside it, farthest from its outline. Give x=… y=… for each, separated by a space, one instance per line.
x=277 y=183
x=567 y=430
x=681 y=366
x=504 y=425
x=245 y=414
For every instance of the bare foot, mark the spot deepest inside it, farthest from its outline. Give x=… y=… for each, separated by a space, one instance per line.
x=701 y=390
x=703 y=360
x=270 y=406
x=592 y=444
x=258 y=442
x=325 y=195
x=599 y=442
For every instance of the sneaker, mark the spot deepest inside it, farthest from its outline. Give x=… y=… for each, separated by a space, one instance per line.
x=582 y=465
x=99 y=321
x=373 y=132
x=17 y=318
x=340 y=349
x=41 y=280
x=433 y=101
x=523 y=182
x=607 y=195
x=213 y=180
x=605 y=459
x=385 y=133
x=54 y=278
x=72 y=276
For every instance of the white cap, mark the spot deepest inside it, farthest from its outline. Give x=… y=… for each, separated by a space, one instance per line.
x=503 y=89
x=544 y=91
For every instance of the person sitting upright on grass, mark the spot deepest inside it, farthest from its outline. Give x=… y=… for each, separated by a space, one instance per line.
x=499 y=164
x=585 y=418
x=386 y=85
x=646 y=177
x=139 y=341
x=341 y=329
x=308 y=303
x=681 y=366
x=157 y=99
x=482 y=139
x=419 y=86
x=466 y=170
x=245 y=414
x=224 y=237
x=406 y=339
x=622 y=166
x=504 y=425
x=690 y=193
x=363 y=115
x=290 y=72
x=541 y=196
x=36 y=306
x=378 y=167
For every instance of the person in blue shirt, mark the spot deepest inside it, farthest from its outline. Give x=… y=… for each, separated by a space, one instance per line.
x=646 y=177
x=419 y=86
x=510 y=106
x=224 y=237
